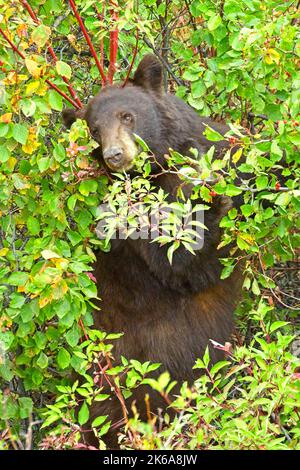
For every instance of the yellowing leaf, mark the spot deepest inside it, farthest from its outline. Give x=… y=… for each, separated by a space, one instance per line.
x=31 y=144
x=41 y=34
x=11 y=162
x=6 y=118
x=44 y=301
x=63 y=69
x=60 y=289
x=37 y=87
x=42 y=90
x=13 y=77
x=4 y=251
x=82 y=162
x=21 y=30
x=272 y=56
x=237 y=155
x=61 y=263
x=33 y=68
x=49 y=254
x=32 y=87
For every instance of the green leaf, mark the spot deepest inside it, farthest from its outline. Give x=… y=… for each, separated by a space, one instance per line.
x=88 y=186
x=3 y=129
x=212 y=135
x=16 y=300
x=6 y=372
x=83 y=414
x=261 y=182
x=98 y=421
x=42 y=361
x=63 y=69
x=283 y=199
x=37 y=377
x=232 y=190
x=278 y=324
x=26 y=407
x=4 y=154
x=295 y=139
x=214 y=22
x=171 y=250
x=198 y=89
x=206 y=358
x=63 y=358
x=33 y=225
x=28 y=107
x=55 y=100
x=247 y=209
x=49 y=254
x=74 y=237
x=227 y=271
x=255 y=287
x=218 y=366
x=242 y=244
x=18 y=279
x=43 y=164
x=24 y=167
x=72 y=202
x=20 y=133
x=72 y=336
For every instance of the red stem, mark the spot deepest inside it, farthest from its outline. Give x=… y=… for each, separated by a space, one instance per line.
x=12 y=44
x=101 y=17
x=52 y=85
x=133 y=58
x=52 y=53
x=88 y=40
x=72 y=102
x=113 y=45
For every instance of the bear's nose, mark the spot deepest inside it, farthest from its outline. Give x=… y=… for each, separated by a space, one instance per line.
x=113 y=156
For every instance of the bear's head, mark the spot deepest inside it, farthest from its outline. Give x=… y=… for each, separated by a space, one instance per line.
x=117 y=113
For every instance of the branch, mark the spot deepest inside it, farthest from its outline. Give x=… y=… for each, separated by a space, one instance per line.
x=133 y=58
x=51 y=52
x=88 y=40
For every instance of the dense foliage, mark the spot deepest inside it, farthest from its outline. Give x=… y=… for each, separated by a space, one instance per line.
x=234 y=60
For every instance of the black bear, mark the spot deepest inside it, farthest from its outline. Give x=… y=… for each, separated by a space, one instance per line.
x=168 y=313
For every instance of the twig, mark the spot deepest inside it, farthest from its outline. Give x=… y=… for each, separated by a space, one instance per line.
x=133 y=58
x=88 y=40
x=271 y=289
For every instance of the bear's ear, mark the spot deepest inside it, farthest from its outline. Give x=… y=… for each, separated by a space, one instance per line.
x=149 y=74
x=70 y=115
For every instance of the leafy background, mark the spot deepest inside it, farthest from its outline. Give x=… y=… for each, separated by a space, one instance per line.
x=233 y=60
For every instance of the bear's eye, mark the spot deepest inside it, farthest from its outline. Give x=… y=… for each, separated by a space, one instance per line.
x=127 y=118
